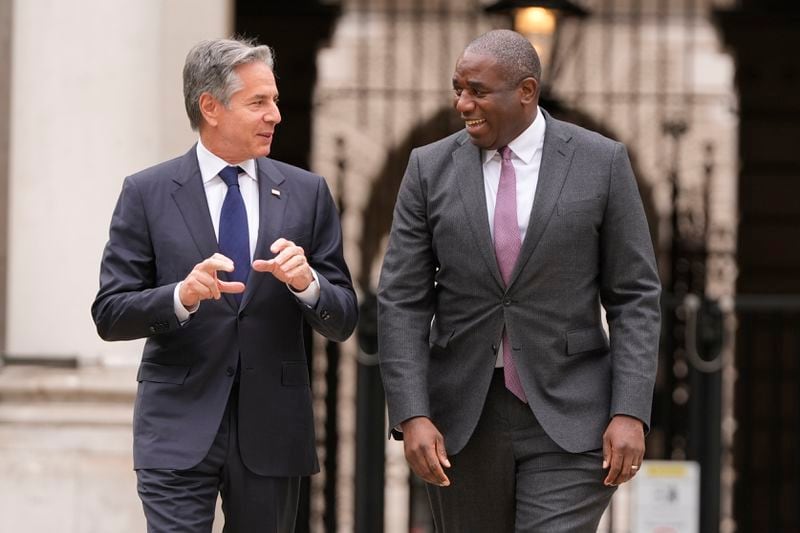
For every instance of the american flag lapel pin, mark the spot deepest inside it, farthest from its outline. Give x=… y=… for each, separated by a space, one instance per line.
x=276 y=193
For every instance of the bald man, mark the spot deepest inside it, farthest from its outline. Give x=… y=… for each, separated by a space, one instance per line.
x=515 y=406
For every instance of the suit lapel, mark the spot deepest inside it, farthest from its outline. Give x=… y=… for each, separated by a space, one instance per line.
x=556 y=158
x=190 y=196
x=271 y=214
x=469 y=177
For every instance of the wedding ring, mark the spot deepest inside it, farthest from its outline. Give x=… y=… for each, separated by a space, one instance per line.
x=634 y=467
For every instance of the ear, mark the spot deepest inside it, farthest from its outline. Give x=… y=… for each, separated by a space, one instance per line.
x=529 y=90
x=209 y=107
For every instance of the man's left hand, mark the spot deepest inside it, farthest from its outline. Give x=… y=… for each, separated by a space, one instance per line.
x=623 y=449
x=289 y=265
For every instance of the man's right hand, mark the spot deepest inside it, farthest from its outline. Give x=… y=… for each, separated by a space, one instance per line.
x=202 y=282
x=425 y=453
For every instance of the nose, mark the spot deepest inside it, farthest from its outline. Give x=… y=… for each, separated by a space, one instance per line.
x=273 y=114
x=464 y=103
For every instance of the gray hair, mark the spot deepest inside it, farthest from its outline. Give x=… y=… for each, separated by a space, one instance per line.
x=211 y=68
x=514 y=52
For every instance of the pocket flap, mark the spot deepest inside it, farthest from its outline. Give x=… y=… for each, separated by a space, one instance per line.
x=586 y=340
x=162 y=373
x=295 y=374
x=579 y=206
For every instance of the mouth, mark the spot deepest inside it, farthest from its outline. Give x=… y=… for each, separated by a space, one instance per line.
x=473 y=124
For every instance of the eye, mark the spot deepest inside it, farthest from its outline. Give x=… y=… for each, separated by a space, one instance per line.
x=275 y=100
x=457 y=92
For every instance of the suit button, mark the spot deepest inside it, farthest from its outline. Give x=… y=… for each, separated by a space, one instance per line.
x=507 y=302
x=494 y=348
x=152 y=329
x=230 y=371
x=324 y=315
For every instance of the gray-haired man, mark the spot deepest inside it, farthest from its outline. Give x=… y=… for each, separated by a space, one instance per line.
x=217 y=257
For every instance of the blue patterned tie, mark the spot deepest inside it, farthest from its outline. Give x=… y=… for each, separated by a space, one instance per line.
x=234 y=237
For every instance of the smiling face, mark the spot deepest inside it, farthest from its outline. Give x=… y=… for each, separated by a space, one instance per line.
x=244 y=128
x=495 y=109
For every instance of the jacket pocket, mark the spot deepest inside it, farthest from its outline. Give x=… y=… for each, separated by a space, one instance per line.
x=589 y=205
x=162 y=373
x=586 y=340
x=294 y=374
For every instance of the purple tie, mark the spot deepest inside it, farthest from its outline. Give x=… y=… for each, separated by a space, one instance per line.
x=507 y=243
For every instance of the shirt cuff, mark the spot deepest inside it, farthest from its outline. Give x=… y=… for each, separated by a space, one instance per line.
x=181 y=313
x=309 y=296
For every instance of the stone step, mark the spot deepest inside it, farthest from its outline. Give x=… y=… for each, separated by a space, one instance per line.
x=96 y=384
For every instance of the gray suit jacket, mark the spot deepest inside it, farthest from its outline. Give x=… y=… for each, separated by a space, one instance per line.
x=443 y=304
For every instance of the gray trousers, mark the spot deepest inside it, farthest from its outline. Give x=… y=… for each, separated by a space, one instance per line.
x=511 y=477
x=184 y=501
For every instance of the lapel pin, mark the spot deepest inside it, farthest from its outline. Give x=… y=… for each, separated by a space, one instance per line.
x=276 y=193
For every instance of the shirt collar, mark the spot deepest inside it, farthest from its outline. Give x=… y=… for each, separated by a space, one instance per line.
x=527 y=143
x=210 y=164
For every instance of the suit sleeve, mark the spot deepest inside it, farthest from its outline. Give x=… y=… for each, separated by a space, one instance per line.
x=629 y=290
x=128 y=304
x=406 y=302
x=336 y=312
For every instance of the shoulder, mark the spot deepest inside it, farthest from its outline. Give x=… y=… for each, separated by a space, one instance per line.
x=443 y=147
x=580 y=136
x=157 y=174
x=278 y=170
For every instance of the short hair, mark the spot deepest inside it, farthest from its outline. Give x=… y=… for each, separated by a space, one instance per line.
x=515 y=54
x=211 y=68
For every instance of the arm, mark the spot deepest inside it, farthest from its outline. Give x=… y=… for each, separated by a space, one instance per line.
x=128 y=304
x=406 y=302
x=629 y=291
x=335 y=313
x=405 y=308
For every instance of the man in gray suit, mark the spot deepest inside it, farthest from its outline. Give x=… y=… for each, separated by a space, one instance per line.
x=513 y=403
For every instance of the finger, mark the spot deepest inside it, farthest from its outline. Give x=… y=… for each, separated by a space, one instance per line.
x=626 y=472
x=213 y=264
x=442 y=453
x=614 y=469
x=606 y=452
x=416 y=460
x=230 y=287
x=279 y=245
x=199 y=290
x=292 y=263
x=435 y=467
x=204 y=284
x=289 y=253
x=260 y=265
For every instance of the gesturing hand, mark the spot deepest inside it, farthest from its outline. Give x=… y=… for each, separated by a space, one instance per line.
x=623 y=449
x=289 y=266
x=424 y=448
x=202 y=282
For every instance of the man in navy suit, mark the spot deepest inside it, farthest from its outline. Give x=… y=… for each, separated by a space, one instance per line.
x=217 y=258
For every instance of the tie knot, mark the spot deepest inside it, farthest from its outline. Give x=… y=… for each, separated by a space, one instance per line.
x=230 y=175
x=505 y=153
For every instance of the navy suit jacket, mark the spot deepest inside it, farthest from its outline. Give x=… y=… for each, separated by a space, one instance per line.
x=160 y=229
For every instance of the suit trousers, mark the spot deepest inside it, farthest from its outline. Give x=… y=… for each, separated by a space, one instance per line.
x=185 y=500
x=512 y=477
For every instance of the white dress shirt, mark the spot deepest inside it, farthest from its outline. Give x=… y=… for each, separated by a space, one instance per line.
x=526 y=158
x=216 y=189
